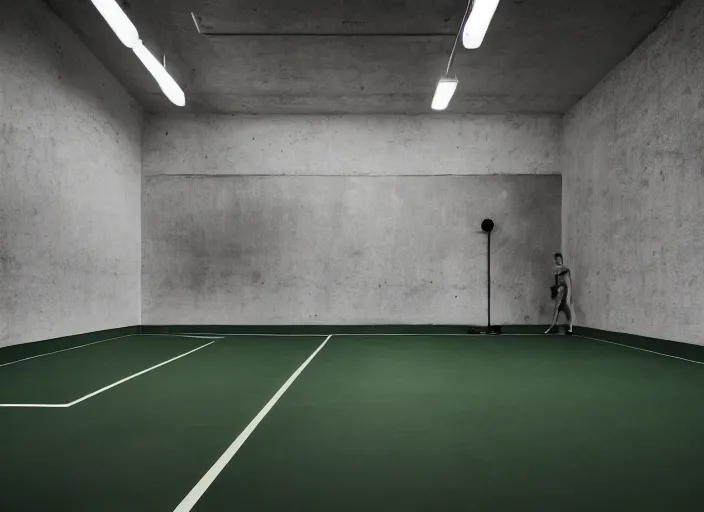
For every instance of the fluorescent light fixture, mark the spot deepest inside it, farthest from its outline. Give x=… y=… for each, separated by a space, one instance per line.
x=118 y=21
x=443 y=93
x=127 y=33
x=171 y=89
x=478 y=23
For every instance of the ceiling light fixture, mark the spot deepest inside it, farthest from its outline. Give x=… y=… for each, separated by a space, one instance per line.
x=478 y=23
x=127 y=33
x=119 y=22
x=443 y=92
x=447 y=85
x=168 y=85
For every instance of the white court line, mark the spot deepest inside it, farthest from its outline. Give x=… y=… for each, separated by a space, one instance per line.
x=241 y=334
x=216 y=337
x=66 y=349
x=641 y=349
x=355 y=334
x=53 y=406
x=197 y=492
x=90 y=395
x=102 y=390
x=438 y=334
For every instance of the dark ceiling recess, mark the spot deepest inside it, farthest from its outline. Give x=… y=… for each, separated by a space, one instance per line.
x=347 y=29
x=325 y=18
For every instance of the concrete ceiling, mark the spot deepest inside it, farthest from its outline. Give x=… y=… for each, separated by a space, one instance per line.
x=367 y=56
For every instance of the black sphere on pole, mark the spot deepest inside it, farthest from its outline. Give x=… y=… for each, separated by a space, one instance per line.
x=487 y=225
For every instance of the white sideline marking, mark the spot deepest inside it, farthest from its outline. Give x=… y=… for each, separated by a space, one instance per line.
x=245 y=334
x=641 y=349
x=187 y=336
x=197 y=492
x=437 y=334
x=355 y=334
x=58 y=406
x=102 y=390
x=66 y=349
x=202 y=337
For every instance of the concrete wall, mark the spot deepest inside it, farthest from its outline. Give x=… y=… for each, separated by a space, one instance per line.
x=349 y=220
x=634 y=188
x=352 y=145
x=70 y=153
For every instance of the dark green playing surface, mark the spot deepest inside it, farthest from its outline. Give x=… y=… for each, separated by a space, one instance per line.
x=375 y=422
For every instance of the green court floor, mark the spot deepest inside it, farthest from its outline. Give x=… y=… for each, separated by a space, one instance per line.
x=375 y=421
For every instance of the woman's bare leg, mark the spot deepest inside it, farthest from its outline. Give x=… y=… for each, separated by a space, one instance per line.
x=556 y=314
x=569 y=313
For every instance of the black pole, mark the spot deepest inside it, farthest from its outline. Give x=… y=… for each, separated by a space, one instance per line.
x=487 y=227
x=488 y=283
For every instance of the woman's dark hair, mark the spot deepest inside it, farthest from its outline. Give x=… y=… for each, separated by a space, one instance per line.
x=559 y=255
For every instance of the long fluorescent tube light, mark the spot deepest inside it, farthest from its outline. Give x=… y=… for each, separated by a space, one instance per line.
x=118 y=21
x=443 y=93
x=478 y=23
x=171 y=89
x=127 y=33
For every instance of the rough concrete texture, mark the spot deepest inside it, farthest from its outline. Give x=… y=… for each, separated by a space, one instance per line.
x=539 y=56
x=352 y=145
x=634 y=188
x=346 y=250
x=70 y=150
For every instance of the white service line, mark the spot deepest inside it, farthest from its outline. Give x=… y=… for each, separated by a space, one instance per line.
x=197 y=492
x=102 y=390
x=67 y=349
x=641 y=349
x=47 y=406
x=90 y=395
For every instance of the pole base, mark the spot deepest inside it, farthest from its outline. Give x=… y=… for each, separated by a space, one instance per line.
x=493 y=330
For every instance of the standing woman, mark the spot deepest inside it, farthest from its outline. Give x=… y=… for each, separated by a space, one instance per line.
x=563 y=294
